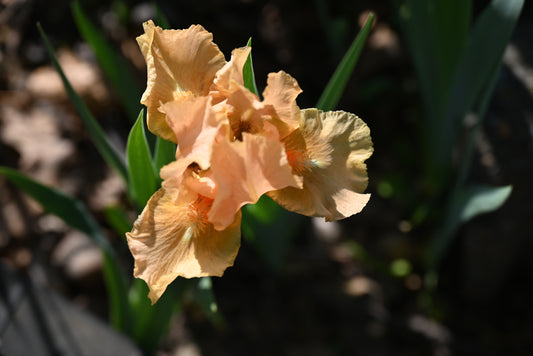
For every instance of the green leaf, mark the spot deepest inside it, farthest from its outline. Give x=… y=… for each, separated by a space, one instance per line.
x=483 y=54
x=437 y=48
x=152 y=321
x=74 y=214
x=165 y=152
x=270 y=229
x=160 y=18
x=205 y=298
x=70 y=210
x=112 y=62
x=117 y=217
x=142 y=178
x=483 y=199
x=335 y=87
x=96 y=133
x=436 y=51
x=248 y=72
x=466 y=204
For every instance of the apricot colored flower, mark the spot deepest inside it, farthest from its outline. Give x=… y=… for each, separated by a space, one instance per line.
x=328 y=151
x=180 y=64
x=232 y=149
x=173 y=237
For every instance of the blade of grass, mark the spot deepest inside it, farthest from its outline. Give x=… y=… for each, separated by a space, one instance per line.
x=248 y=72
x=335 y=87
x=74 y=214
x=96 y=133
x=113 y=64
x=141 y=175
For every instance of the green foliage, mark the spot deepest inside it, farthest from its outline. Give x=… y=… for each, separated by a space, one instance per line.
x=75 y=214
x=454 y=63
x=335 y=87
x=96 y=133
x=482 y=199
x=130 y=312
x=204 y=296
x=112 y=63
x=457 y=64
x=248 y=72
x=165 y=152
x=271 y=230
x=141 y=175
x=268 y=226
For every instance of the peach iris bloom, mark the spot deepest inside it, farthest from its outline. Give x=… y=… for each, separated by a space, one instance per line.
x=232 y=149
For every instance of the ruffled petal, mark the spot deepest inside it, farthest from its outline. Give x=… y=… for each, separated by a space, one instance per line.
x=232 y=71
x=244 y=171
x=195 y=126
x=179 y=63
x=243 y=110
x=172 y=238
x=279 y=100
x=328 y=151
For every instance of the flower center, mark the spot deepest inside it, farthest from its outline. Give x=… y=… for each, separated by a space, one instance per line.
x=299 y=160
x=197 y=214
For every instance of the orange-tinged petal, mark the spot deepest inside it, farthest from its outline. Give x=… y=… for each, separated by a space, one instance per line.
x=172 y=238
x=179 y=63
x=328 y=150
x=186 y=172
x=279 y=98
x=195 y=126
x=244 y=171
x=243 y=111
x=232 y=71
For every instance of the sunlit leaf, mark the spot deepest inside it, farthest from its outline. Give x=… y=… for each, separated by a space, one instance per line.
x=142 y=178
x=96 y=133
x=248 y=72
x=335 y=87
x=484 y=199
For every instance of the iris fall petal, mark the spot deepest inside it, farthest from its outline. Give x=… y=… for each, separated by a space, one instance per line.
x=328 y=150
x=172 y=238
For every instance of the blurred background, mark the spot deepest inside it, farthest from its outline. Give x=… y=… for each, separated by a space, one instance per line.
x=356 y=287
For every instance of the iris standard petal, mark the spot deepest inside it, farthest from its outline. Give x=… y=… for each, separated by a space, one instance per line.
x=244 y=171
x=179 y=63
x=279 y=99
x=195 y=126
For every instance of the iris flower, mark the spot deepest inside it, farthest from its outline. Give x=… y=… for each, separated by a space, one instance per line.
x=232 y=149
